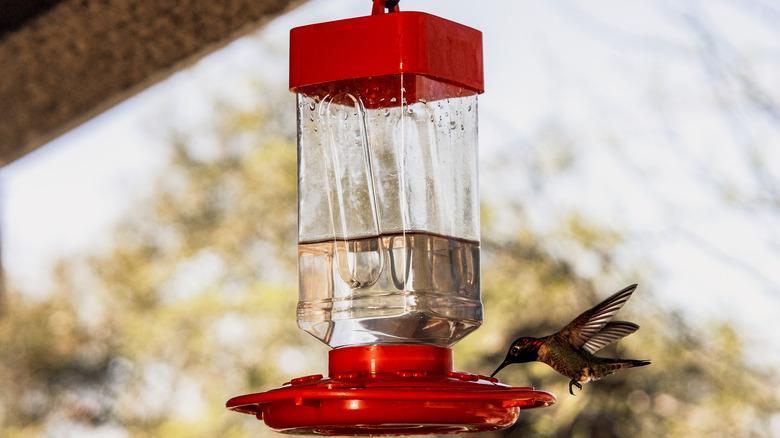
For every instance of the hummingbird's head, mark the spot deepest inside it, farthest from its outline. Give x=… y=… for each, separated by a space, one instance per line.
x=522 y=350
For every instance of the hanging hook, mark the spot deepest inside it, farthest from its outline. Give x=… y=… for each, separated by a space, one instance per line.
x=381 y=5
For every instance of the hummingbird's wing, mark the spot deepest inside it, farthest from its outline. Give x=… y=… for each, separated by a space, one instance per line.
x=592 y=321
x=611 y=332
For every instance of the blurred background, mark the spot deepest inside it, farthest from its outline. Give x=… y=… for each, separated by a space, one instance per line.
x=150 y=253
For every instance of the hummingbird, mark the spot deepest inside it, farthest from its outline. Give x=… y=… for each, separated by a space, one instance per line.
x=571 y=350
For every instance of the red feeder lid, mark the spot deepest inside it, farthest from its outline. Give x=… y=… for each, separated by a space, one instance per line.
x=386 y=44
x=390 y=390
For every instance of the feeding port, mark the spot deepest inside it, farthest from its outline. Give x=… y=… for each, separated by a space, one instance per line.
x=390 y=390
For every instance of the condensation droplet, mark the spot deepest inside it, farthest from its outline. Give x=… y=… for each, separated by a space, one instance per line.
x=312 y=106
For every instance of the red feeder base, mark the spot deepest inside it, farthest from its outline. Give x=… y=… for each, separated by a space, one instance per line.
x=390 y=390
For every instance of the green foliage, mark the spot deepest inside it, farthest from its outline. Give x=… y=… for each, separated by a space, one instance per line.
x=195 y=303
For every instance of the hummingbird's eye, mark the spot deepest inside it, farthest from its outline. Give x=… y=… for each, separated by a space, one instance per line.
x=515 y=349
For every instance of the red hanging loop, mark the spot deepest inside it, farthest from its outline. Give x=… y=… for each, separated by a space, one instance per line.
x=379 y=7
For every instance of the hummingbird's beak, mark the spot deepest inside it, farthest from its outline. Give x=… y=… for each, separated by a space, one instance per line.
x=500 y=367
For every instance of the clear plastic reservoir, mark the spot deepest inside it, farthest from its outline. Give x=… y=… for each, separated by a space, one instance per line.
x=388 y=231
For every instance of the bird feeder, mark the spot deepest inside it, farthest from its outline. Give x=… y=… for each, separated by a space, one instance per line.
x=388 y=231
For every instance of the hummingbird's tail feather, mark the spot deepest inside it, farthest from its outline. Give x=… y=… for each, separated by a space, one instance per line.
x=619 y=364
x=637 y=363
x=610 y=366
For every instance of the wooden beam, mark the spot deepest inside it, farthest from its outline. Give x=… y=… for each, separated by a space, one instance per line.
x=80 y=57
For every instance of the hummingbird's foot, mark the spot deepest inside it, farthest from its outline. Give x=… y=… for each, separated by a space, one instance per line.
x=574 y=383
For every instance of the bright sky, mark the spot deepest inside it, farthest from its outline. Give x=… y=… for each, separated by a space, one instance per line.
x=628 y=83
